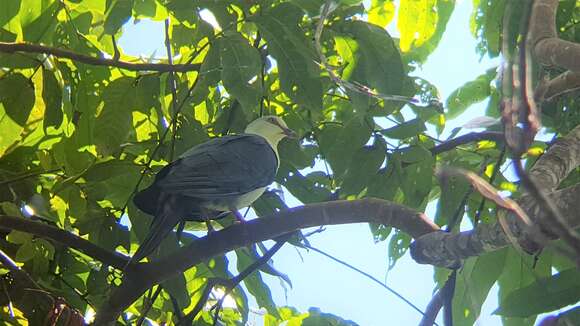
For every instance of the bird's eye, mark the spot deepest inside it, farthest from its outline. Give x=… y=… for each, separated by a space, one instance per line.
x=272 y=120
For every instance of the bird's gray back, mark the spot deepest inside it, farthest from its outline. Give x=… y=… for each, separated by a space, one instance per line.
x=221 y=168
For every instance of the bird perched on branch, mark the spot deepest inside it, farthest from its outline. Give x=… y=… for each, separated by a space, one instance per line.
x=221 y=175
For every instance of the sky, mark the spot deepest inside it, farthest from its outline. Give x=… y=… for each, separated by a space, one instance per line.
x=320 y=282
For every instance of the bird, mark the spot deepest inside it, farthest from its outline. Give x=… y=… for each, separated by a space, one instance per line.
x=221 y=175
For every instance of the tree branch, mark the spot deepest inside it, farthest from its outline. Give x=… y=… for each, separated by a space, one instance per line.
x=565 y=83
x=447 y=250
x=467 y=138
x=560 y=159
x=140 y=277
x=547 y=47
x=62 y=53
x=68 y=239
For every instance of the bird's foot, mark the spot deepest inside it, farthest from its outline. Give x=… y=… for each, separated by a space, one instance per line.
x=210 y=228
x=238 y=216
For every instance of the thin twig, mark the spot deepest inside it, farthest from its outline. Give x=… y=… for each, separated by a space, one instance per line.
x=494 y=174
x=28 y=175
x=62 y=53
x=149 y=305
x=173 y=87
x=465 y=139
x=113 y=259
x=353 y=86
x=280 y=241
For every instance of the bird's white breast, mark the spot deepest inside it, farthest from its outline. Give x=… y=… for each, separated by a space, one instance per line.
x=244 y=200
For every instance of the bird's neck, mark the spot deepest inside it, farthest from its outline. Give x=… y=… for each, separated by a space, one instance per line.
x=273 y=141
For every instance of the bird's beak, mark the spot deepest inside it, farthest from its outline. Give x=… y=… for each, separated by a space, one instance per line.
x=289 y=133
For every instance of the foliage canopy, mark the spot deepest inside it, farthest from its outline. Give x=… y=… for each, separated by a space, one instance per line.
x=79 y=137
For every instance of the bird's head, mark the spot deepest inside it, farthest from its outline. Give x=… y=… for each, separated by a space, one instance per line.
x=271 y=127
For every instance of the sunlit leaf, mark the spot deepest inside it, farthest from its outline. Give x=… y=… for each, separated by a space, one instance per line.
x=9 y=9
x=381 y=12
x=118 y=12
x=17 y=96
x=241 y=65
x=417 y=21
x=299 y=74
x=52 y=95
x=470 y=93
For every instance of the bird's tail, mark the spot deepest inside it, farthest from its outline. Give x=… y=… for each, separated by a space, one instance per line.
x=163 y=223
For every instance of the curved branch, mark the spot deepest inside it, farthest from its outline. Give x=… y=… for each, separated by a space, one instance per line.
x=565 y=83
x=467 y=138
x=547 y=47
x=61 y=53
x=68 y=239
x=447 y=250
x=140 y=277
x=560 y=159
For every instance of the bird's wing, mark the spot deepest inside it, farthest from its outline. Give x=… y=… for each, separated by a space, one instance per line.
x=221 y=168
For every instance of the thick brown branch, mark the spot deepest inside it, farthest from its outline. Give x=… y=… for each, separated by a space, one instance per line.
x=565 y=83
x=560 y=159
x=142 y=276
x=68 y=239
x=547 y=47
x=467 y=138
x=62 y=53
x=447 y=250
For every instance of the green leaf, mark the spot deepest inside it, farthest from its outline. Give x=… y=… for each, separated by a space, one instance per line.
x=385 y=184
x=350 y=2
x=515 y=275
x=209 y=73
x=298 y=156
x=452 y=192
x=318 y=318
x=473 y=283
x=338 y=144
x=118 y=13
x=470 y=93
x=417 y=22
x=415 y=180
x=17 y=96
x=26 y=252
x=381 y=12
x=256 y=285
x=414 y=154
x=299 y=74
x=42 y=27
x=177 y=288
x=312 y=7
x=18 y=237
x=420 y=52
x=146 y=8
x=114 y=122
x=546 y=294
x=10 y=9
x=52 y=95
x=364 y=166
x=379 y=63
x=10 y=208
x=398 y=246
x=405 y=130
x=486 y=25
x=241 y=66
x=67 y=154
x=305 y=189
